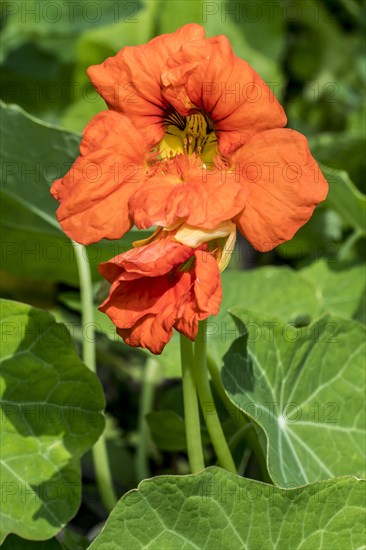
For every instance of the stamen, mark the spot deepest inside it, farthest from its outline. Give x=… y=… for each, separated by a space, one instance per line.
x=189 y=135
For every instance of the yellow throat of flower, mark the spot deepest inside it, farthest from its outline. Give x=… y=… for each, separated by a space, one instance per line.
x=189 y=135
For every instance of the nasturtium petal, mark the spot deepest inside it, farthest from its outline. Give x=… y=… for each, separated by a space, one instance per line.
x=130 y=82
x=284 y=185
x=94 y=194
x=206 y=74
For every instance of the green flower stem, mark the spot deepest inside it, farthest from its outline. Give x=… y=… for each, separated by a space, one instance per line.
x=346 y=249
x=99 y=450
x=191 y=410
x=207 y=403
x=216 y=379
x=246 y=427
x=150 y=377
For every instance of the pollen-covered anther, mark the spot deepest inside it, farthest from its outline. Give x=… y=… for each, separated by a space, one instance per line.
x=189 y=135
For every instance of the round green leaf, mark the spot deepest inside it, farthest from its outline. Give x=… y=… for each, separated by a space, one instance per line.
x=168 y=430
x=28 y=172
x=305 y=388
x=51 y=415
x=279 y=291
x=216 y=509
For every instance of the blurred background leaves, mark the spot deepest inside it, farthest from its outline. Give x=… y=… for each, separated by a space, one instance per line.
x=310 y=53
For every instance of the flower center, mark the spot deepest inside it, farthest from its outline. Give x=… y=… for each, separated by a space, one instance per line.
x=189 y=135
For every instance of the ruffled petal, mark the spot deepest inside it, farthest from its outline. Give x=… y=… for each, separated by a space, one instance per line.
x=199 y=197
x=130 y=82
x=113 y=131
x=284 y=185
x=187 y=323
x=205 y=297
x=207 y=285
x=208 y=76
x=152 y=260
x=147 y=291
x=94 y=194
x=130 y=301
x=145 y=308
x=144 y=311
x=148 y=333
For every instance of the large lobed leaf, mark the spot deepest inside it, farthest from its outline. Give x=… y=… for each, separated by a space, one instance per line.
x=305 y=388
x=51 y=415
x=34 y=154
x=216 y=509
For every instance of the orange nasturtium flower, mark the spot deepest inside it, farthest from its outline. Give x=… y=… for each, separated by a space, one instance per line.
x=193 y=142
x=171 y=282
x=193 y=135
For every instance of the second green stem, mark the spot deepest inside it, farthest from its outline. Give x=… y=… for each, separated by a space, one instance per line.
x=191 y=410
x=99 y=450
x=207 y=403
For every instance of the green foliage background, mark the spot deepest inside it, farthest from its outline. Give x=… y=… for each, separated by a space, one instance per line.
x=312 y=55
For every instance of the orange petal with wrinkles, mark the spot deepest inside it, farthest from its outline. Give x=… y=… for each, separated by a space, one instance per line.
x=130 y=82
x=199 y=197
x=208 y=75
x=284 y=185
x=94 y=194
x=147 y=300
